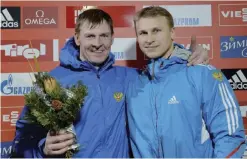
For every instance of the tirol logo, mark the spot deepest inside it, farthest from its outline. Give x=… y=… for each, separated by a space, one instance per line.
x=21 y=50
x=10 y=18
x=205 y=41
x=233 y=46
x=16 y=84
x=237 y=78
x=121 y=15
x=233 y=14
x=40 y=17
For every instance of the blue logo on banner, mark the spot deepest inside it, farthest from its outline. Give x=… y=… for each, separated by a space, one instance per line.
x=7 y=88
x=6 y=148
x=233 y=46
x=186 y=21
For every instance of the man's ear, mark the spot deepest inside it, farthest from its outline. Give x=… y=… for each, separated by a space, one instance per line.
x=77 y=39
x=172 y=33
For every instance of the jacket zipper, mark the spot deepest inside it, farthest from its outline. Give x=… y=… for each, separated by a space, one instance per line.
x=156 y=126
x=152 y=77
x=97 y=74
x=100 y=93
x=156 y=113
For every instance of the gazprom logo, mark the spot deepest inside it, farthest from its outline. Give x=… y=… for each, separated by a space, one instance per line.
x=10 y=80
x=181 y=21
x=12 y=87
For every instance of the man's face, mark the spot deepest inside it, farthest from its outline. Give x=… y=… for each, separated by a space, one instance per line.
x=95 y=43
x=154 y=36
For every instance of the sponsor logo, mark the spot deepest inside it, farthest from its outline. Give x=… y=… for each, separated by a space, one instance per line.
x=124 y=48
x=232 y=14
x=10 y=116
x=10 y=18
x=40 y=17
x=121 y=15
x=233 y=46
x=16 y=84
x=237 y=78
x=6 y=148
x=173 y=100
x=21 y=50
x=190 y=15
x=205 y=41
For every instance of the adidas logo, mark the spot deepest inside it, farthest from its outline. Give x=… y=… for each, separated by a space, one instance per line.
x=7 y=20
x=5 y=16
x=238 y=81
x=173 y=100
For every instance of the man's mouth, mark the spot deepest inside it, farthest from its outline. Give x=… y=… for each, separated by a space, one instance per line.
x=151 y=47
x=97 y=51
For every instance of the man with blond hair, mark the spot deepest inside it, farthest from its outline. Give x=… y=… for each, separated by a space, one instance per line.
x=175 y=111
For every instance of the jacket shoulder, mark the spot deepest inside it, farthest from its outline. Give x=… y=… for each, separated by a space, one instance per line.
x=127 y=72
x=202 y=70
x=205 y=74
x=60 y=71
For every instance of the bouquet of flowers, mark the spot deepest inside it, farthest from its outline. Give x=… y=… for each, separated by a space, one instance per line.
x=54 y=107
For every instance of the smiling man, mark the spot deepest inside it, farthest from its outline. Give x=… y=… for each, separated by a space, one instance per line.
x=175 y=111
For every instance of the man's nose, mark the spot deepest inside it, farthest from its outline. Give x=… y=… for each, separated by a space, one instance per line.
x=97 y=42
x=150 y=38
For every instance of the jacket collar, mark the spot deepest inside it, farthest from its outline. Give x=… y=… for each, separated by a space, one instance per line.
x=157 y=67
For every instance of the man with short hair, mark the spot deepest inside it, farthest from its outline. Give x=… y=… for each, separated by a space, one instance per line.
x=101 y=127
x=175 y=111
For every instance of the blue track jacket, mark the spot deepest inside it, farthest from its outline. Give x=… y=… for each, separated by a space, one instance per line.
x=175 y=111
x=101 y=125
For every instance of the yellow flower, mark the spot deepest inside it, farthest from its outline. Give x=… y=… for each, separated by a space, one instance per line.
x=50 y=85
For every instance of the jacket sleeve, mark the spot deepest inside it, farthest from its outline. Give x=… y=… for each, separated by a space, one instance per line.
x=29 y=139
x=222 y=115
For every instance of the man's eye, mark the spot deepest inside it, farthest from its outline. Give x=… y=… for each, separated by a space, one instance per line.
x=142 y=33
x=90 y=36
x=105 y=36
x=156 y=30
